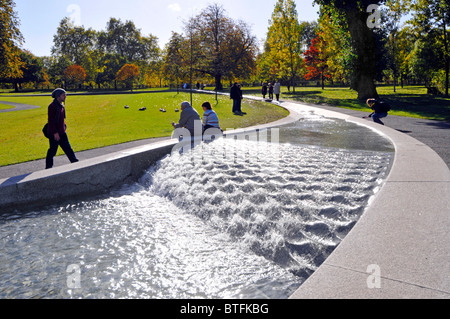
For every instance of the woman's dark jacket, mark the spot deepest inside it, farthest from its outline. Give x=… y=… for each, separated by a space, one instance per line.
x=56 y=118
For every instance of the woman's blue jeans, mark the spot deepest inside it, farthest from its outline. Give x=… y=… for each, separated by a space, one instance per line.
x=377 y=116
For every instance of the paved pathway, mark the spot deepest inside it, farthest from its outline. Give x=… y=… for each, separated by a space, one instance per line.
x=18 y=107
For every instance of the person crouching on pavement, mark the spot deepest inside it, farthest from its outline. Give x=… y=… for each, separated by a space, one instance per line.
x=380 y=110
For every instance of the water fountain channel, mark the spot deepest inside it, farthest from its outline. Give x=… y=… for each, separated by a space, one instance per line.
x=237 y=218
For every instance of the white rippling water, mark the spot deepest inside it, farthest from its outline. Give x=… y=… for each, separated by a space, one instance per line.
x=290 y=204
x=231 y=219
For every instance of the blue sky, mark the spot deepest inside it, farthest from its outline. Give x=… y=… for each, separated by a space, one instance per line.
x=39 y=19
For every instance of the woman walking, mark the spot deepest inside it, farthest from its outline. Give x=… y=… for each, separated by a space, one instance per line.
x=57 y=129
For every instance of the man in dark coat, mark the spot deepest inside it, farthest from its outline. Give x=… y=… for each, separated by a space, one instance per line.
x=264 y=90
x=236 y=96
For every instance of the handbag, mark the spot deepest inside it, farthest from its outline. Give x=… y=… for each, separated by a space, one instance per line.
x=45 y=128
x=45 y=131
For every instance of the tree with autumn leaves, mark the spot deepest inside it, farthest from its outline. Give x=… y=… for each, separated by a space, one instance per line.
x=316 y=61
x=214 y=46
x=281 y=59
x=128 y=74
x=10 y=40
x=75 y=75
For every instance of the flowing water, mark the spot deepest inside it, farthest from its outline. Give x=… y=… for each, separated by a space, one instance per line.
x=237 y=218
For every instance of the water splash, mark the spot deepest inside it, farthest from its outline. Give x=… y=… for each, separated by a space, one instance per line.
x=288 y=203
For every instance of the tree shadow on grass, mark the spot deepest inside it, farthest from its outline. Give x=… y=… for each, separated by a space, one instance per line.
x=427 y=106
x=420 y=105
x=317 y=97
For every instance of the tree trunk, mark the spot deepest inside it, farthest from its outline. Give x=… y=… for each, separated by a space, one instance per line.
x=218 y=78
x=447 y=59
x=292 y=72
x=447 y=69
x=366 y=88
x=395 y=82
x=364 y=44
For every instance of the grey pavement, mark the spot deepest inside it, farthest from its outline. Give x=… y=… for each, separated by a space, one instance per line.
x=18 y=107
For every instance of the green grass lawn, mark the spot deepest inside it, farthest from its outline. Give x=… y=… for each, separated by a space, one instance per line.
x=411 y=101
x=5 y=106
x=101 y=120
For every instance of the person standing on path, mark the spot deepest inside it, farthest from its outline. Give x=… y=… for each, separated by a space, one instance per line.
x=270 y=91
x=236 y=96
x=264 y=90
x=57 y=129
x=277 y=90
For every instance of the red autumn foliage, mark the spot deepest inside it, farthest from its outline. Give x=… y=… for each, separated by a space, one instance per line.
x=316 y=61
x=128 y=72
x=75 y=74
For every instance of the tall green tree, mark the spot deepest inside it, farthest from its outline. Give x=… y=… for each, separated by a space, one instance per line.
x=10 y=40
x=394 y=14
x=284 y=40
x=56 y=65
x=429 y=15
x=427 y=59
x=338 y=50
x=73 y=42
x=126 y=40
x=176 y=60
x=77 y=45
x=353 y=14
x=109 y=65
x=403 y=53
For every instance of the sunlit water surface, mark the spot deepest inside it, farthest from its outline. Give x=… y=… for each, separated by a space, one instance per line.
x=231 y=219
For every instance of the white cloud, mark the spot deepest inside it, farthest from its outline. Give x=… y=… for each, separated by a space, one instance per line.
x=174 y=7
